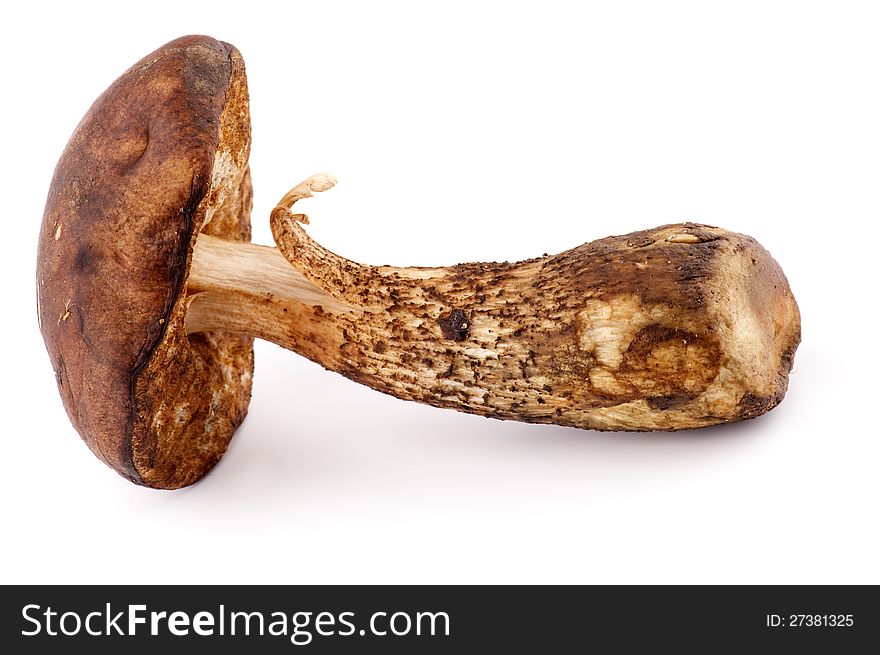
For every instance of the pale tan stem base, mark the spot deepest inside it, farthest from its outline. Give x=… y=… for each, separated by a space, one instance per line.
x=246 y=288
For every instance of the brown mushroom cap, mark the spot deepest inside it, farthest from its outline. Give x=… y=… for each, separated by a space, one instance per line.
x=160 y=156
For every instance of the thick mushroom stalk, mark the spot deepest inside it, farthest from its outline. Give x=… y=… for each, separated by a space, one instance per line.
x=682 y=326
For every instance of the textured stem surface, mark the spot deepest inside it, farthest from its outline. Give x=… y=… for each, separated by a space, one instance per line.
x=678 y=327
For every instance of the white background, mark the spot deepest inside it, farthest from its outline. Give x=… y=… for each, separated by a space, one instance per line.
x=474 y=131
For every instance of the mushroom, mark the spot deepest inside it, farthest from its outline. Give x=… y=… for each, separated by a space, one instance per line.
x=150 y=295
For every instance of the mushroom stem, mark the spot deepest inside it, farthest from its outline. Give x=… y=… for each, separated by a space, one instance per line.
x=251 y=289
x=678 y=327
